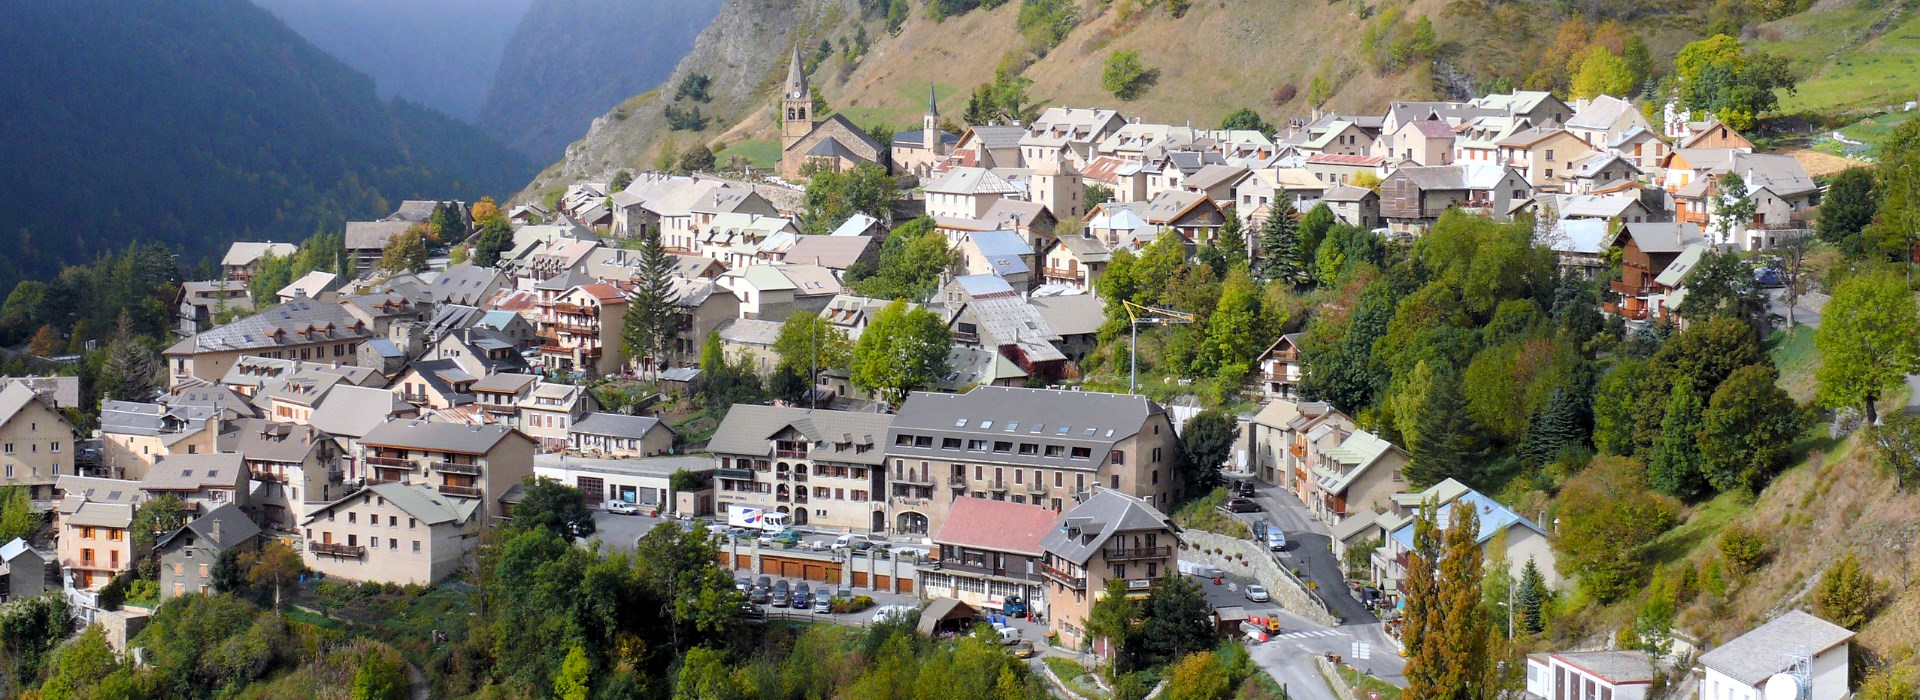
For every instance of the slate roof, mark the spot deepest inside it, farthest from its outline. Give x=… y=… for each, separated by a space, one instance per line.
x=837 y=436
x=1604 y=206
x=1677 y=271
x=1752 y=657
x=1585 y=236
x=97 y=502
x=354 y=410
x=1086 y=248
x=994 y=136
x=1663 y=236
x=210 y=396
x=248 y=252
x=997 y=526
x=266 y=441
x=1169 y=206
x=134 y=418
x=855 y=225
x=1781 y=175
x=1095 y=420
x=276 y=327
x=234 y=528
x=616 y=425
x=438 y=437
x=835 y=252
x=465 y=284
x=971 y=181
x=196 y=472
x=1348 y=193
x=749 y=331
x=15 y=397
x=1087 y=527
x=419 y=501
x=1601 y=113
x=1072 y=314
x=373 y=235
x=1360 y=451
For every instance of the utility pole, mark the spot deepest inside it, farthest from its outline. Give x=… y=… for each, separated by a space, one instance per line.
x=1150 y=315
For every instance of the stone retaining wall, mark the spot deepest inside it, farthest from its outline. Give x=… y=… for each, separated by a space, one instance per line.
x=1258 y=563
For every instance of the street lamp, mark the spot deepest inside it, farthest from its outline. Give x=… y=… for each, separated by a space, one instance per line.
x=1508 y=605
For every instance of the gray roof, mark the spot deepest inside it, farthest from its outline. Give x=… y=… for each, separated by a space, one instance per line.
x=210 y=396
x=504 y=383
x=15 y=397
x=749 y=331
x=1601 y=113
x=997 y=136
x=1089 y=419
x=465 y=284
x=131 y=418
x=196 y=472
x=296 y=322
x=63 y=390
x=1348 y=193
x=1086 y=248
x=438 y=437
x=419 y=501
x=1677 y=271
x=373 y=235
x=1072 y=314
x=1762 y=652
x=1106 y=513
x=971 y=181
x=1664 y=236
x=1614 y=666
x=836 y=252
x=305 y=386
x=662 y=466
x=616 y=425
x=353 y=410
x=837 y=436
x=266 y=441
x=234 y=528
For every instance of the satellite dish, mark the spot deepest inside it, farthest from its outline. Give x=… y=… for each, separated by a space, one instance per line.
x=1784 y=686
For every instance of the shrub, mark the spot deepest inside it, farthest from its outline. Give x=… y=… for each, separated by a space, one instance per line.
x=1743 y=548
x=1126 y=77
x=1285 y=94
x=1845 y=593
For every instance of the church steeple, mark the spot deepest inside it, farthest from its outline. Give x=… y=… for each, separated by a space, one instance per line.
x=796 y=105
x=930 y=135
x=933 y=106
x=797 y=78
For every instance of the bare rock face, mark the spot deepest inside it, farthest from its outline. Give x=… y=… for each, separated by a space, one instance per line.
x=744 y=51
x=571 y=60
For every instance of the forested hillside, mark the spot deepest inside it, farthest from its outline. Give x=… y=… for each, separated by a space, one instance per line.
x=195 y=123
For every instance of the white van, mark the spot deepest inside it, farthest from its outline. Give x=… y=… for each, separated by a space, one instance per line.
x=858 y=543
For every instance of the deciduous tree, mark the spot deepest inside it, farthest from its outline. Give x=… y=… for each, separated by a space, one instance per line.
x=901 y=350
x=832 y=196
x=1205 y=444
x=1848 y=207
x=405 y=252
x=1747 y=430
x=1869 y=340
x=272 y=567
x=554 y=507
x=1603 y=73
x=1126 y=77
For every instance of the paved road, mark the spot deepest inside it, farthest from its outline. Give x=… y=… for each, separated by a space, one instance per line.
x=1360 y=639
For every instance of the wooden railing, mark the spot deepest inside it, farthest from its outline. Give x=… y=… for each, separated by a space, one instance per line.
x=461 y=491
x=337 y=550
x=396 y=462
x=1078 y=583
x=1124 y=553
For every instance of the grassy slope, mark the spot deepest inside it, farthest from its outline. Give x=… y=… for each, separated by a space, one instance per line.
x=1849 y=53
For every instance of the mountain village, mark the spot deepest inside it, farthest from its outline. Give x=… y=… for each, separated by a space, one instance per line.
x=978 y=443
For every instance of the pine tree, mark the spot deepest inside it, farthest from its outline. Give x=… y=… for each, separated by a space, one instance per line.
x=1449 y=444
x=1232 y=242
x=1532 y=599
x=1556 y=427
x=1280 y=246
x=653 y=318
x=1674 y=467
x=132 y=370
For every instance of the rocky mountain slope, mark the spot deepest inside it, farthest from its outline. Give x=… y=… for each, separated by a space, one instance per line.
x=439 y=53
x=198 y=122
x=571 y=60
x=1219 y=55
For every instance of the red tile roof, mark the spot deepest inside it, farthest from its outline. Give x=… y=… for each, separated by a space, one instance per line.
x=1000 y=526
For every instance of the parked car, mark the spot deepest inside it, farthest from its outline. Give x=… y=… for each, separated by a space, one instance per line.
x=842 y=593
x=786 y=537
x=782 y=599
x=821 y=603
x=1242 y=505
x=744 y=584
x=760 y=596
x=1257 y=593
x=781 y=586
x=858 y=543
x=1768 y=278
x=623 y=508
x=1023 y=649
x=802 y=600
x=764 y=582
x=1276 y=539
x=1245 y=488
x=1015 y=606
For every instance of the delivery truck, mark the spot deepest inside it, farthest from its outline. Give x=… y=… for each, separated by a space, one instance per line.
x=753 y=518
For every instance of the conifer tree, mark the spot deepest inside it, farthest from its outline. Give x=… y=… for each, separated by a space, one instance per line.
x=653 y=319
x=1457 y=631
x=1556 y=427
x=1280 y=246
x=1449 y=444
x=1232 y=242
x=132 y=370
x=1674 y=467
x=1532 y=599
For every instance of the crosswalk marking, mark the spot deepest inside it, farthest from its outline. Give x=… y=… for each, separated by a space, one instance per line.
x=1313 y=633
x=1361 y=651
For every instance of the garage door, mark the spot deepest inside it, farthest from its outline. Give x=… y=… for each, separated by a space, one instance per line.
x=859 y=579
x=594 y=489
x=821 y=571
x=906 y=585
x=881 y=582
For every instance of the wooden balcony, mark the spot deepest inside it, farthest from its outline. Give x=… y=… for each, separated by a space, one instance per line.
x=352 y=551
x=385 y=461
x=575 y=309
x=460 y=491
x=1078 y=583
x=1130 y=553
x=1060 y=273
x=457 y=468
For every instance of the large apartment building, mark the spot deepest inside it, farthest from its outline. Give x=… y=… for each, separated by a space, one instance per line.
x=1038 y=446
x=824 y=468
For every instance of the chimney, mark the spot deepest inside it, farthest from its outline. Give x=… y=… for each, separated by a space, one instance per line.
x=215 y=532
